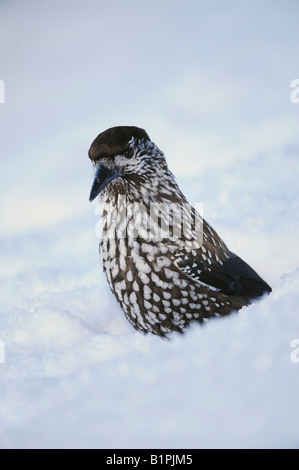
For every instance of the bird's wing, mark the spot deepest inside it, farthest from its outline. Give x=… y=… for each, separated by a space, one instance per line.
x=232 y=276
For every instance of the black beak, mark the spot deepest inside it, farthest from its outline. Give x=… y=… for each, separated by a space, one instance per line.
x=102 y=177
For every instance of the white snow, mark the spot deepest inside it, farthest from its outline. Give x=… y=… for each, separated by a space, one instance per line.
x=216 y=99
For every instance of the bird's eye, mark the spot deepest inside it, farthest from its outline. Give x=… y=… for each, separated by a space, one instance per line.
x=129 y=152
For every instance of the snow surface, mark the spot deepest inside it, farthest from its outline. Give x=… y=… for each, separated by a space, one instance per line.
x=216 y=99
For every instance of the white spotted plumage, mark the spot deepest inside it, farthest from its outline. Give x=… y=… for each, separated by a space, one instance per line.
x=166 y=280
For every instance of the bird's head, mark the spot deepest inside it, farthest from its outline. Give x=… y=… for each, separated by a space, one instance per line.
x=122 y=152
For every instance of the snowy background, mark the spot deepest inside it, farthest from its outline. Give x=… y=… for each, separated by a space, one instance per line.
x=210 y=83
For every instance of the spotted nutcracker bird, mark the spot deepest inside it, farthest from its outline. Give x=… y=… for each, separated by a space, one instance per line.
x=165 y=265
